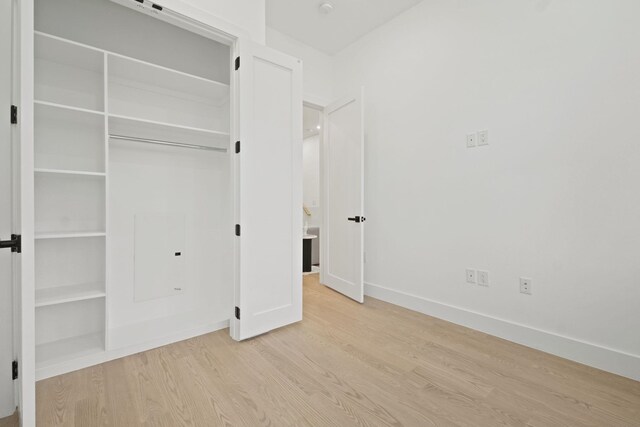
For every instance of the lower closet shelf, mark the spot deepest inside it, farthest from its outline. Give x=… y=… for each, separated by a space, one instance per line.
x=64 y=350
x=71 y=293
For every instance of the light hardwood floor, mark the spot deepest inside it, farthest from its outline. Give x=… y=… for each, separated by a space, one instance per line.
x=346 y=364
x=11 y=421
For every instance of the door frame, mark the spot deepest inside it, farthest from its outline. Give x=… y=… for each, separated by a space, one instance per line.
x=319 y=105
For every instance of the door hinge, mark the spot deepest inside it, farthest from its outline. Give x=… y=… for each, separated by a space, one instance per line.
x=237 y=229
x=14 y=370
x=238 y=313
x=237 y=147
x=14 y=114
x=237 y=63
x=15 y=243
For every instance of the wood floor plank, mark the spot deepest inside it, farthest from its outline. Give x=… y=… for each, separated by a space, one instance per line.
x=345 y=364
x=10 y=421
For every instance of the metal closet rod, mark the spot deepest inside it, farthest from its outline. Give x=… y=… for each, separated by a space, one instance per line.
x=170 y=143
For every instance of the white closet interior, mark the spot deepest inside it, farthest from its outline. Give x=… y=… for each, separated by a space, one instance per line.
x=133 y=182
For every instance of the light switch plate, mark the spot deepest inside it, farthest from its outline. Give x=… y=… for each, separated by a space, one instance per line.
x=471 y=140
x=483 y=278
x=471 y=276
x=483 y=137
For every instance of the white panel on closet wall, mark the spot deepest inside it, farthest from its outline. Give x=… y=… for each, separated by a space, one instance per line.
x=159 y=255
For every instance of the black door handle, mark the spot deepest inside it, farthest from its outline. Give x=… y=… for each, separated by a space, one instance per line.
x=15 y=244
x=357 y=219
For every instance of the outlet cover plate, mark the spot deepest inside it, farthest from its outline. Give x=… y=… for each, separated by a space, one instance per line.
x=471 y=276
x=471 y=140
x=526 y=286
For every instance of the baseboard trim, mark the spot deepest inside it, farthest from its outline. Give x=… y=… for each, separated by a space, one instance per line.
x=607 y=359
x=106 y=356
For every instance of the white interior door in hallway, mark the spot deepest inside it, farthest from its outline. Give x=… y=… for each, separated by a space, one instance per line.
x=343 y=187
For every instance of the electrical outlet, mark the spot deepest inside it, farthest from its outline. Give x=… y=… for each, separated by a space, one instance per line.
x=471 y=140
x=471 y=276
x=483 y=278
x=483 y=137
x=526 y=286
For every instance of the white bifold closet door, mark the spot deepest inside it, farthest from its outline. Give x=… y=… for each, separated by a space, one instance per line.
x=269 y=175
x=7 y=402
x=343 y=198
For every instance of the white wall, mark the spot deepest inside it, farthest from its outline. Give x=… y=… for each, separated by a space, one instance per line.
x=247 y=15
x=317 y=66
x=553 y=197
x=311 y=180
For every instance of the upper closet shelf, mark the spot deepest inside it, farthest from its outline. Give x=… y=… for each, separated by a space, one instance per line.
x=68 y=53
x=69 y=235
x=133 y=72
x=68 y=74
x=66 y=67
x=67 y=107
x=68 y=172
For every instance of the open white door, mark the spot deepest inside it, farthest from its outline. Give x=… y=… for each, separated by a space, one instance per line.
x=23 y=209
x=269 y=193
x=7 y=402
x=343 y=197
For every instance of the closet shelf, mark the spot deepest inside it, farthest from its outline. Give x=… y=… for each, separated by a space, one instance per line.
x=134 y=72
x=70 y=293
x=68 y=172
x=149 y=129
x=62 y=51
x=63 y=350
x=69 y=235
x=67 y=107
x=153 y=123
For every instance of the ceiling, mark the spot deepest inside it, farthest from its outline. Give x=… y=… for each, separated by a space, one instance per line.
x=350 y=19
x=310 y=122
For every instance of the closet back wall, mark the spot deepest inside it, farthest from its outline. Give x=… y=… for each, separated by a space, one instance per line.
x=173 y=200
x=553 y=197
